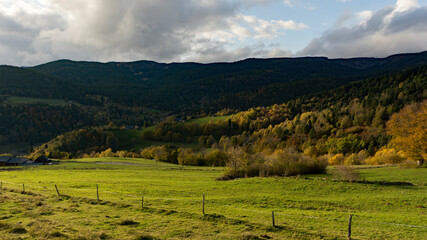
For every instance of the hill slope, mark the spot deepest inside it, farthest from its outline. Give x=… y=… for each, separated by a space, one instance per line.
x=132 y=93
x=191 y=84
x=346 y=120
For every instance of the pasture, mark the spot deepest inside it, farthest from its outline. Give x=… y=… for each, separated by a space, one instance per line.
x=390 y=204
x=30 y=100
x=206 y=120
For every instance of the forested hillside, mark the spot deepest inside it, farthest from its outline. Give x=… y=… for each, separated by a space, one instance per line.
x=143 y=93
x=348 y=123
x=193 y=85
x=24 y=82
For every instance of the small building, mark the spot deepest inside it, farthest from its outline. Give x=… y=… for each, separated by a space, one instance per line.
x=42 y=160
x=15 y=161
x=3 y=160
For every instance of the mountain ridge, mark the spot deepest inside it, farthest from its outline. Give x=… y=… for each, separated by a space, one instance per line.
x=154 y=84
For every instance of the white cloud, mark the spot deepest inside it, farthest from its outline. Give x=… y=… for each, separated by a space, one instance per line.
x=404 y=5
x=35 y=31
x=263 y=29
x=221 y=52
x=391 y=30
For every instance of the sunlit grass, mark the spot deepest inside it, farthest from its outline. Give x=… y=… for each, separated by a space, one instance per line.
x=306 y=207
x=209 y=119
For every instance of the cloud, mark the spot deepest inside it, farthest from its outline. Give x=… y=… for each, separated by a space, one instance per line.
x=35 y=31
x=269 y=29
x=390 y=30
x=259 y=49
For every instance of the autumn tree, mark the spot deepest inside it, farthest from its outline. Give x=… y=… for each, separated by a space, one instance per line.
x=409 y=130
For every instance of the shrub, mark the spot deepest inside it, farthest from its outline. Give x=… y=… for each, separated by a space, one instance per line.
x=337 y=159
x=292 y=163
x=121 y=154
x=346 y=173
x=352 y=160
x=107 y=153
x=408 y=164
x=216 y=158
x=186 y=156
x=385 y=156
x=280 y=163
x=362 y=156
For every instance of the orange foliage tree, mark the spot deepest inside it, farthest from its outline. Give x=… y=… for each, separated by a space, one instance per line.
x=409 y=130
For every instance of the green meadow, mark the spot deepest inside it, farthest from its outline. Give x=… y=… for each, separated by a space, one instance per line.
x=389 y=204
x=30 y=100
x=209 y=119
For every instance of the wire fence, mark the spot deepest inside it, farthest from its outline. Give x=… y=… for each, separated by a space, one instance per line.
x=66 y=191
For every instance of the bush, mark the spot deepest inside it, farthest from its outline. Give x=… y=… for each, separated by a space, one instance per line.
x=186 y=156
x=362 y=156
x=337 y=159
x=352 y=160
x=160 y=153
x=287 y=163
x=386 y=156
x=107 y=153
x=216 y=158
x=346 y=173
x=280 y=163
x=408 y=164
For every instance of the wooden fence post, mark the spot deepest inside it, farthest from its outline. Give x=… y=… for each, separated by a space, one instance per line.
x=1 y=185
x=142 y=202
x=203 y=206
x=349 y=227
x=97 y=192
x=23 y=187
x=272 y=218
x=57 y=190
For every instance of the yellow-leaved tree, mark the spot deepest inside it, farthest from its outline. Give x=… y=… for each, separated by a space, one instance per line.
x=409 y=130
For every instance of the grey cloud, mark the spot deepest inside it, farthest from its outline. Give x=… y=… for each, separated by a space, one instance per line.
x=17 y=34
x=112 y=30
x=107 y=29
x=386 y=32
x=414 y=19
x=219 y=53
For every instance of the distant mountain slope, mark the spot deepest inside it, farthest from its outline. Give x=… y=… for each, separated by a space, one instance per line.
x=190 y=85
x=29 y=83
x=398 y=61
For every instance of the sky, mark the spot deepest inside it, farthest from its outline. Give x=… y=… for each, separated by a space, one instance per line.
x=33 y=32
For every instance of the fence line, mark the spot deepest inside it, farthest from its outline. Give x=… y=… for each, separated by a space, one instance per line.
x=222 y=205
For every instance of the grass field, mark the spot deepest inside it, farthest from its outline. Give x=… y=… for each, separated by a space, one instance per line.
x=389 y=205
x=28 y=100
x=209 y=119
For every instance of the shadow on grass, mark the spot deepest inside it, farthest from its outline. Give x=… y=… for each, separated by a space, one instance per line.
x=386 y=183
